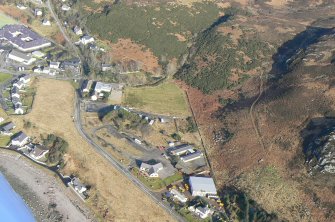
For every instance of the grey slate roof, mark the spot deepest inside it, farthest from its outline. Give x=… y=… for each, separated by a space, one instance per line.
x=21 y=55
x=8 y=127
x=20 y=137
x=7 y=32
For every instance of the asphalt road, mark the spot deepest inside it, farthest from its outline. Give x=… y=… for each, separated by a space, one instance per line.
x=122 y=169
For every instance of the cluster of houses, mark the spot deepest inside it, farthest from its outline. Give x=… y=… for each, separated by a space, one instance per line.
x=186 y=153
x=98 y=90
x=15 y=93
x=85 y=39
x=200 y=187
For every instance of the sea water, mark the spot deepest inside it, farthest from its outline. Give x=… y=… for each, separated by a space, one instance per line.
x=12 y=206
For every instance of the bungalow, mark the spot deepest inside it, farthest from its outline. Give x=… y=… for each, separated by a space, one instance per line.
x=86 y=39
x=77 y=30
x=21 y=57
x=25 y=79
x=38 y=12
x=86 y=86
x=203 y=212
x=19 y=84
x=77 y=185
x=151 y=170
x=106 y=67
x=15 y=92
x=20 y=139
x=46 y=70
x=18 y=109
x=179 y=196
x=38 y=152
x=16 y=101
x=5 y=130
x=54 y=65
x=191 y=156
x=66 y=7
x=102 y=87
x=46 y=22
x=38 y=70
x=182 y=149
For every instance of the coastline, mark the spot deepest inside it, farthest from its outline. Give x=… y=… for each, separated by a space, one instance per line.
x=47 y=198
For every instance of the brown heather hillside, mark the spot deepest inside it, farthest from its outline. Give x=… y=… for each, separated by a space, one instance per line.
x=255 y=141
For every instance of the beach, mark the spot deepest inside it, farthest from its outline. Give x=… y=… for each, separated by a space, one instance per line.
x=48 y=199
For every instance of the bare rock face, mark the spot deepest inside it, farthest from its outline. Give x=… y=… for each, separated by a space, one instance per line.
x=319 y=148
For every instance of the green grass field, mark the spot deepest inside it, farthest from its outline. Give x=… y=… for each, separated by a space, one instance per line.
x=4 y=77
x=4 y=20
x=165 y=98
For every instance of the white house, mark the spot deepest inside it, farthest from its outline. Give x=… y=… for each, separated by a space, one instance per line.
x=203 y=212
x=46 y=70
x=18 y=109
x=54 y=65
x=20 y=139
x=179 y=196
x=15 y=92
x=21 y=57
x=46 y=22
x=38 y=12
x=1 y=119
x=151 y=170
x=16 y=101
x=77 y=30
x=77 y=185
x=38 y=152
x=25 y=79
x=19 y=84
x=86 y=39
x=37 y=70
x=86 y=87
x=66 y=7
x=202 y=186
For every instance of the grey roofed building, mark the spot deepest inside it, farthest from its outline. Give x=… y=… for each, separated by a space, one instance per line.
x=16 y=100
x=23 y=38
x=70 y=64
x=8 y=127
x=20 y=137
x=152 y=170
x=178 y=150
x=191 y=156
x=78 y=186
x=21 y=55
x=202 y=186
x=102 y=87
x=15 y=90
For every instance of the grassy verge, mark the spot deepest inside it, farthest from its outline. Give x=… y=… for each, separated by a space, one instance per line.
x=4 y=76
x=166 y=98
x=5 y=20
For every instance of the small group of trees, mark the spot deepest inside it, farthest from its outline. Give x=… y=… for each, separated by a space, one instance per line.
x=57 y=147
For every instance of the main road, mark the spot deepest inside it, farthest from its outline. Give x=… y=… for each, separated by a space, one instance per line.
x=122 y=169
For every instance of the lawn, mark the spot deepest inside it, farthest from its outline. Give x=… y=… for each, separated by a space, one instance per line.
x=165 y=98
x=4 y=20
x=4 y=77
x=157 y=183
x=4 y=141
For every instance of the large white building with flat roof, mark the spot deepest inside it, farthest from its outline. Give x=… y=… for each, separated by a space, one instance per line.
x=202 y=186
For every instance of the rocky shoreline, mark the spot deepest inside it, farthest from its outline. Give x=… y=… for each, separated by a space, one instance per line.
x=47 y=199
